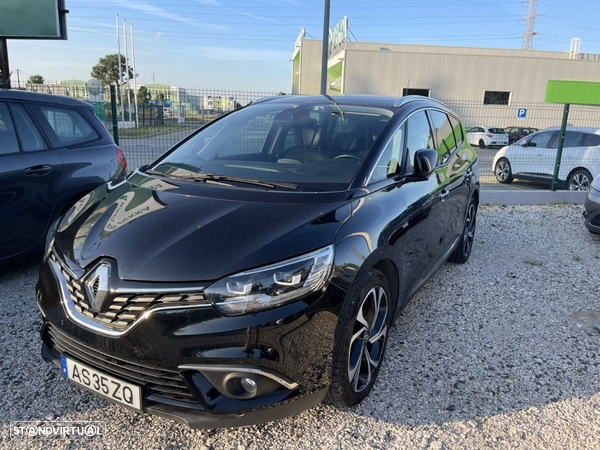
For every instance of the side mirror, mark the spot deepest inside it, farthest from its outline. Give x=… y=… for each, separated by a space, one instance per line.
x=425 y=163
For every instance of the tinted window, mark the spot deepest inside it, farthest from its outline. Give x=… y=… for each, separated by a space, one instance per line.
x=311 y=146
x=496 y=130
x=443 y=134
x=389 y=163
x=69 y=125
x=8 y=137
x=496 y=98
x=458 y=130
x=418 y=136
x=573 y=139
x=540 y=139
x=31 y=138
x=591 y=140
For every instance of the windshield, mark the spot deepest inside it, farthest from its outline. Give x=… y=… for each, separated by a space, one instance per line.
x=317 y=147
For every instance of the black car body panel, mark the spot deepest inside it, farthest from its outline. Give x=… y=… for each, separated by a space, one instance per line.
x=38 y=186
x=591 y=213
x=164 y=235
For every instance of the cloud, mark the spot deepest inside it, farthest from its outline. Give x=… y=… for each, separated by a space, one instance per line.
x=255 y=16
x=242 y=55
x=154 y=10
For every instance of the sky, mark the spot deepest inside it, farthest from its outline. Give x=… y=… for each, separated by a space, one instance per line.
x=248 y=45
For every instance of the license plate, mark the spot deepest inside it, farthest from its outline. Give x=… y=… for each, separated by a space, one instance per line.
x=96 y=381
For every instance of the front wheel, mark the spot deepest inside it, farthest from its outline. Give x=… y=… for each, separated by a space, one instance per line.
x=481 y=144
x=360 y=339
x=461 y=254
x=503 y=171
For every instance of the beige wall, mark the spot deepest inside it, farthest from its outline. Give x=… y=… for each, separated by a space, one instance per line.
x=452 y=75
x=309 y=82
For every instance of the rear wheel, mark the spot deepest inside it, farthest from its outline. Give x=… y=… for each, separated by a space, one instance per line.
x=360 y=339
x=481 y=143
x=461 y=254
x=503 y=171
x=579 y=180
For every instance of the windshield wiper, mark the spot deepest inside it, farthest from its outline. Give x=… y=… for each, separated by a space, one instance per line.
x=204 y=177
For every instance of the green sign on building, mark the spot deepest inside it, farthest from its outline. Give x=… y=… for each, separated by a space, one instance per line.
x=573 y=92
x=32 y=19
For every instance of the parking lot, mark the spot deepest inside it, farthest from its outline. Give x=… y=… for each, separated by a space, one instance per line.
x=502 y=352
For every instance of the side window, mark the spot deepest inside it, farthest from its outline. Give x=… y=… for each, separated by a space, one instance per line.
x=591 y=140
x=541 y=140
x=389 y=163
x=573 y=139
x=31 y=138
x=69 y=125
x=444 y=135
x=418 y=137
x=8 y=137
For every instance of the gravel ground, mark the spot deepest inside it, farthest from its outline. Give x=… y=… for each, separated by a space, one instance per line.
x=502 y=352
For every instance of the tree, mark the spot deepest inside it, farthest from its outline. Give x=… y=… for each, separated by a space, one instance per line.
x=107 y=70
x=143 y=96
x=36 y=79
x=160 y=97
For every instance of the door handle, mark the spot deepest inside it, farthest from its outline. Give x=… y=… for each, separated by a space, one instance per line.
x=37 y=171
x=444 y=194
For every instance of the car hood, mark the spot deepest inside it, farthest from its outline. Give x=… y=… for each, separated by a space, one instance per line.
x=165 y=230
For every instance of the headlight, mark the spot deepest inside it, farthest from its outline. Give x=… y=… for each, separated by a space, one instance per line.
x=271 y=286
x=50 y=239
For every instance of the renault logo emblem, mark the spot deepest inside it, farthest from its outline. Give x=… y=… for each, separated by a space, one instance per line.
x=97 y=286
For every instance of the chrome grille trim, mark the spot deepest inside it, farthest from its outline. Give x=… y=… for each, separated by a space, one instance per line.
x=126 y=309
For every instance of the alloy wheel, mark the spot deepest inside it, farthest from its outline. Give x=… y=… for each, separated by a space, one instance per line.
x=368 y=338
x=470 y=228
x=579 y=182
x=502 y=170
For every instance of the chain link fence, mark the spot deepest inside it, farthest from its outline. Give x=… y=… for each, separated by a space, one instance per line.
x=516 y=143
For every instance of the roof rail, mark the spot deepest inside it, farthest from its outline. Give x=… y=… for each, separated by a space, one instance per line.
x=413 y=98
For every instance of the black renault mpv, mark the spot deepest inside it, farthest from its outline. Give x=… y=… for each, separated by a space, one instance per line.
x=257 y=267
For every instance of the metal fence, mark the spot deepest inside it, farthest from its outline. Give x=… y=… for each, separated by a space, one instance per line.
x=165 y=115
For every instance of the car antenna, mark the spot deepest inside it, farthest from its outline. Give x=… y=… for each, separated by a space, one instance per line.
x=328 y=97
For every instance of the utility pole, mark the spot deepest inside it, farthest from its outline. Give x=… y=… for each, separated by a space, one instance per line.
x=127 y=65
x=530 y=31
x=135 y=88
x=4 y=69
x=120 y=74
x=325 y=59
x=18 y=79
x=153 y=77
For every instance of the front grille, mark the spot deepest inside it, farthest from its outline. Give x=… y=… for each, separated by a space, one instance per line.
x=124 y=309
x=160 y=382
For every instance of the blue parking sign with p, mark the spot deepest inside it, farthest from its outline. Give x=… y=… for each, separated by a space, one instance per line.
x=522 y=113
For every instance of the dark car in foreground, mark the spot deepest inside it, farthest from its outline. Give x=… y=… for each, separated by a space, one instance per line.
x=592 y=207
x=53 y=150
x=258 y=266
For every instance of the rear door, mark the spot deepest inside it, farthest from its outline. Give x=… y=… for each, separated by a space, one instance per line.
x=452 y=173
x=30 y=179
x=573 y=154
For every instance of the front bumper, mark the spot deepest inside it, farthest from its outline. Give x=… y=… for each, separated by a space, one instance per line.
x=294 y=341
x=592 y=211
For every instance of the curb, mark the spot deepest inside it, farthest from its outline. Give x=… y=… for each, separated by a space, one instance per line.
x=531 y=197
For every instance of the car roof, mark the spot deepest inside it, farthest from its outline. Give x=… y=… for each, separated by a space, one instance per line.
x=355 y=100
x=27 y=96
x=580 y=129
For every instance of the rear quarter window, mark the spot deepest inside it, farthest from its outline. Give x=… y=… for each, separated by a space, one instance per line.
x=68 y=125
x=591 y=140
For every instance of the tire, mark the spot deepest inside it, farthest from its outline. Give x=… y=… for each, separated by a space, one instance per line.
x=579 y=180
x=481 y=144
x=503 y=171
x=512 y=141
x=461 y=254
x=352 y=374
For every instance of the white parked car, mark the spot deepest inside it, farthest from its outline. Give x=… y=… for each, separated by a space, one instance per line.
x=483 y=137
x=534 y=157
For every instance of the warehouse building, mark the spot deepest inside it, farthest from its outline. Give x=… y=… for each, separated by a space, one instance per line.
x=460 y=76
